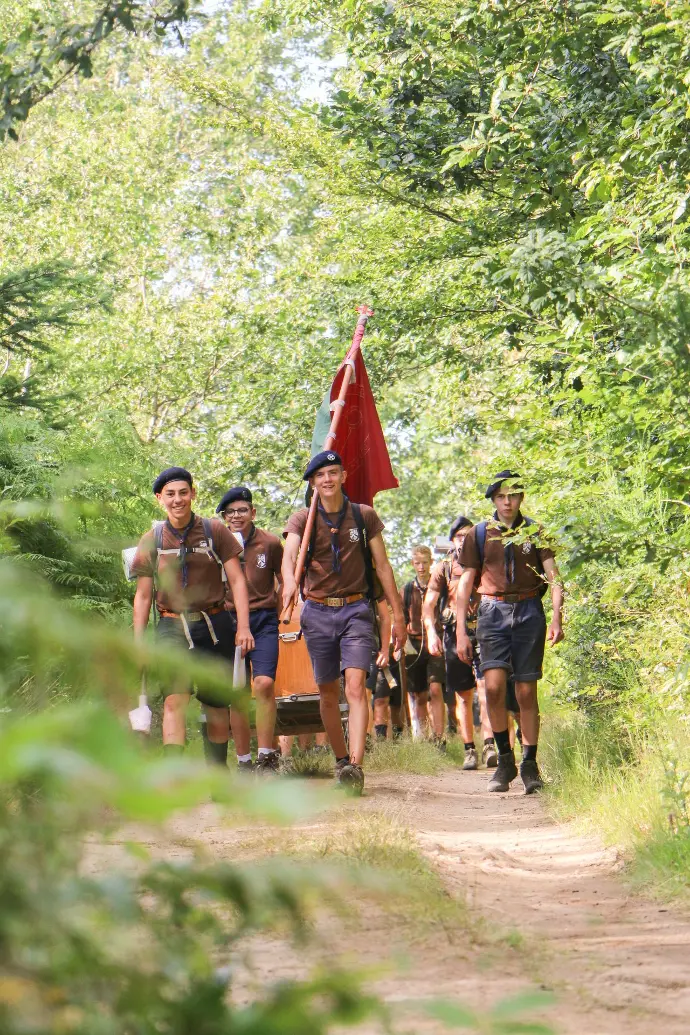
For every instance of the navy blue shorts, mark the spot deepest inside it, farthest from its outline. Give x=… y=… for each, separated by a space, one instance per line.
x=459 y=675
x=338 y=638
x=512 y=637
x=171 y=631
x=263 y=625
x=381 y=691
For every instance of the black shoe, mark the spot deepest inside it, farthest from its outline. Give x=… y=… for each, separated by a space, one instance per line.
x=245 y=767
x=531 y=777
x=505 y=773
x=268 y=763
x=349 y=775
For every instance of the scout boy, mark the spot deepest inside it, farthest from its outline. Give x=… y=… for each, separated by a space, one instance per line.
x=513 y=570
x=337 y=620
x=191 y=560
x=261 y=562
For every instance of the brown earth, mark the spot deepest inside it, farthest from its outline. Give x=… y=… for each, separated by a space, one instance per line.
x=548 y=909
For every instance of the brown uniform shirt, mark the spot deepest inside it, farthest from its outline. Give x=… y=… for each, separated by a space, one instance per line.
x=415 y=625
x=321 y=581
x=414 y=616
x=205 y=586
x=263 y=556
x=494 y=579
x=440 y=582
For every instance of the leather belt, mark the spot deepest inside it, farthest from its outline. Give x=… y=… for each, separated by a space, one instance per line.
x=192 y=616
x=338 y=601
x=510 y=598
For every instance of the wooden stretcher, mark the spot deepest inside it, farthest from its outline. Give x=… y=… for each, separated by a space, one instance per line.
x=297 y=695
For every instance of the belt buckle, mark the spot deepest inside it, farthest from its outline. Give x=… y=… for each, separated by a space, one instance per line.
x=193 y=616
x=512 y=598
x=335 y=601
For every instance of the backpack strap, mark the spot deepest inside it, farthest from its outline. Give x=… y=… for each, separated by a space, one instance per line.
x=407 y=600
x=208 y=532
x=366 y=549
x=480 y=539
x=208 y=550
x=446 y=567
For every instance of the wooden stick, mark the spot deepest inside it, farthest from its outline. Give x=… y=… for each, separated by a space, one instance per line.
x=337 y=407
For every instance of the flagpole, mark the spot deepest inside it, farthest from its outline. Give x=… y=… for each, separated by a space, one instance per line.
x=337 y=409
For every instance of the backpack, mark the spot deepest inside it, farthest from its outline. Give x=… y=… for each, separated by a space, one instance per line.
x=208 y=549
x=364 y=545
x=480 y=539
x=129 y=554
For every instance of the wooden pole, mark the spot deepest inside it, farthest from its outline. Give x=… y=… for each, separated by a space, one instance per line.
x=337 y=407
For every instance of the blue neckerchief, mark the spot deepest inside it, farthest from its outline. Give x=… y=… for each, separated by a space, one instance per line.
x=335 y=532
x=509 y=548
x=181 y=535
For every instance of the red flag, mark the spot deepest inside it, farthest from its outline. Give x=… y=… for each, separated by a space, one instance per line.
x=359 y=438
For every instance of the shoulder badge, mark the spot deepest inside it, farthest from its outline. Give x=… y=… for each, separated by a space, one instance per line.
x=261 y=560
x=354 y=535
x=526 y=547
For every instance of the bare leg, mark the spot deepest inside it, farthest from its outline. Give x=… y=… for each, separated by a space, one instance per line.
x=452 y=706
x=264 y=691
x=217 y=724
x=239 y=724
x=484 y=711
x=496 y=680
x=174 y=716
x=330 y=716
x=438 y=708
x=420 y=709
x=321 y=739
x=356 y=694
x=466 y=718
x=526 y=694
x=381 y=711
x=285 y=746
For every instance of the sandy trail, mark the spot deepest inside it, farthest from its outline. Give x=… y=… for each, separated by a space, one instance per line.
x=616 y=962
x=548 y=909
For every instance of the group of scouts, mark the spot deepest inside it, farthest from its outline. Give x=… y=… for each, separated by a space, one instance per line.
x=473 y=624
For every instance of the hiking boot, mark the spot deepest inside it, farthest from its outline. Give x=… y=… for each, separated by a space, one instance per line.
x=349 y=775
x=440 y=743
x=471 y=760
x=490 y=756
x=245 y=767
x=506 y=771
x=268 y=763
x=531 y=777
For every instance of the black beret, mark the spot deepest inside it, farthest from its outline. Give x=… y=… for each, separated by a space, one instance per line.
x=171 y=474
x=321 y=460
x=460 y=522
x=499 y=479
x=240 y=492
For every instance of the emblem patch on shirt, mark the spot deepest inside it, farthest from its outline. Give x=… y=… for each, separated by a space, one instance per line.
x=526 y=547
x=261 y=560
x=354 y=535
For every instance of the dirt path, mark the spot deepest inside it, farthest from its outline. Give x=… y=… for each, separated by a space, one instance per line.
x=616 y=962
x=547 y=909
